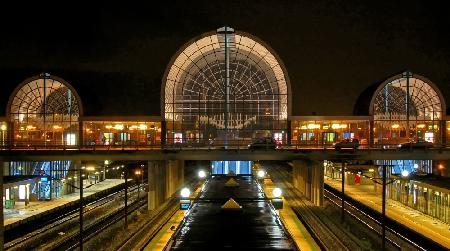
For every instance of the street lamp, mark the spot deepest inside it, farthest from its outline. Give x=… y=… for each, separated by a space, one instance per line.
x=201 y=174
x=261 y=174
x=138 y=173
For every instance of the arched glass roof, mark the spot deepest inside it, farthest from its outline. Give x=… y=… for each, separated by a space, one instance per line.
x=199 y=71
x=405 y=95
x=44 y=95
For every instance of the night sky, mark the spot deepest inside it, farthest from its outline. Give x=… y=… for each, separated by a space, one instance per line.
x=115 y=55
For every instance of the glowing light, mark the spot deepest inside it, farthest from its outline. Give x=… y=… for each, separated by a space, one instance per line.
x=56 y=127
x=143 y=127
x=3 y=127
x=90 y=168
x=201 y=174
x=30 y=127
x=335 y=126
x=277 y=192
x=421 y=126
x=416 y=166
x=108 y=126
x=313 y=126
x=343 y=126
x=261 y=174
x=405 y=173
x=395 y=126
x=118 y=127
x=371 y=170
x=185 y=192
x=441 y=166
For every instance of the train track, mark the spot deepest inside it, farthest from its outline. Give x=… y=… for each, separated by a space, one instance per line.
x=33 y=239
x=395 y=239
x=326 y=237
x=72 y=241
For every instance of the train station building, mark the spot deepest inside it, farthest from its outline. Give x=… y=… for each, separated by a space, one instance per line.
x=224 y=88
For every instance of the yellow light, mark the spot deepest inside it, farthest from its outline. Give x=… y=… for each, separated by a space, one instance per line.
x=343 y=126
x=395 y=126
x=441 y=166
x=335 y=126
x=30 y=127
x=137 y=172
x=108 y=126
x=303 y=127
x=3 y=127
x=56 y=127
x=118 y=127
x=421 y=126
x=90 y=168
x=143 y=127
x=371 y=170
x=313 y=126
x=325 y=127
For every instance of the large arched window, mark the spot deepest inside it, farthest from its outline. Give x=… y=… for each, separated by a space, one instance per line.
x=407 y=107
x=44 y=111
x=225 y=86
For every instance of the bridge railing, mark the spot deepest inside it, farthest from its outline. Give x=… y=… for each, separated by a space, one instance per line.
x=210 y=145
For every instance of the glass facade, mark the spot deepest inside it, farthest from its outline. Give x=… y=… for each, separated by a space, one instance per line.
x=49 y=176
x=407 y=107
x=44 y=111
x=121 y=133
x=326 y=132
x=426 y=198
x=225 y=87
x=234 y=166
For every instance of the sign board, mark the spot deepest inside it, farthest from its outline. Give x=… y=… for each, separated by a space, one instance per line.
x=185 y=204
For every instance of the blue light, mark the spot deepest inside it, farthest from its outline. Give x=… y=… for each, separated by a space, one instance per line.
x=44 y=179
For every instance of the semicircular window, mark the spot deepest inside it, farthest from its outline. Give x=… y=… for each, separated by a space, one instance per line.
x=44 y=112
x=225 y=88
x=407 y=108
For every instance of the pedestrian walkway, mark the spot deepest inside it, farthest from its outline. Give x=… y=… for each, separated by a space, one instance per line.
x=21 y=212
x=414 y=219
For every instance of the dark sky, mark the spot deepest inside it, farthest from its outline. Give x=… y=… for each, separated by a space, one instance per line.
x=115 y=55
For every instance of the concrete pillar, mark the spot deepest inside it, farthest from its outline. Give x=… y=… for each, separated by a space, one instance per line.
x=317 y=183
x=156 y=184
x=174 y=176
x=308 y=179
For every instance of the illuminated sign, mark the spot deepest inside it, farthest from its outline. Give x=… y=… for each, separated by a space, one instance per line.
x=178 y=137
x=185 y=204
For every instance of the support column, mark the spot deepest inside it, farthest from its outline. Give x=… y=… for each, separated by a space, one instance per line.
x=317 y=183
x=308 y=179
x=174 y=176
x=156 y=184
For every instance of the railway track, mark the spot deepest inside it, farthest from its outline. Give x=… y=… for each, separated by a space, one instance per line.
x=63 y=222
x=398 y=237
x=326 y=237
x=393 y=238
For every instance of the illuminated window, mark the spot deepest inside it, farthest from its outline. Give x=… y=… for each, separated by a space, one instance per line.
x=44 y=111
x=196 y=96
